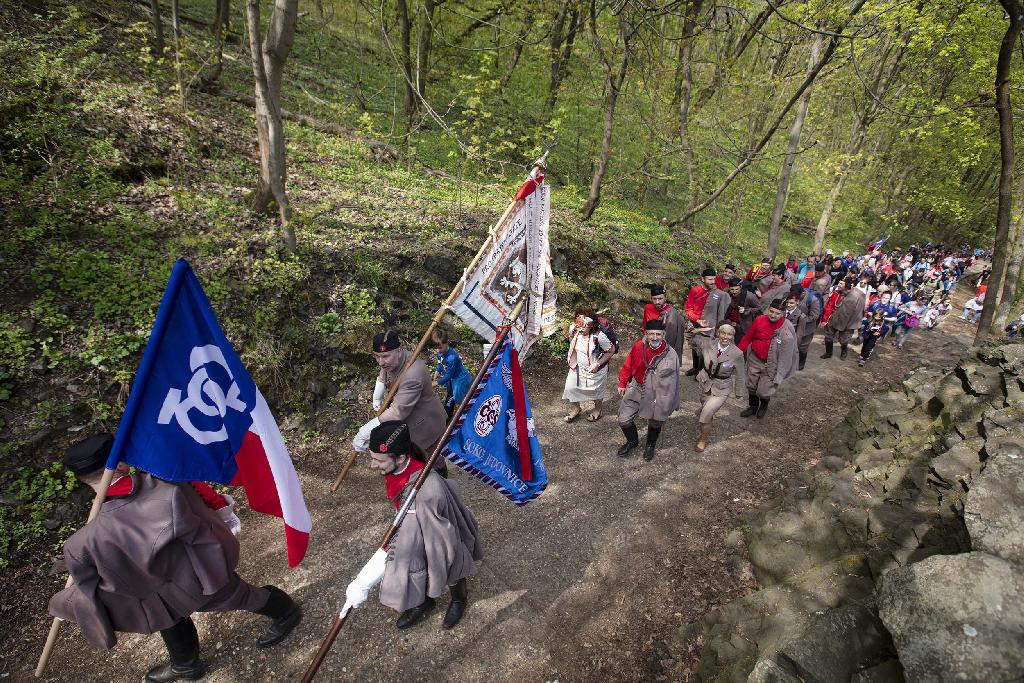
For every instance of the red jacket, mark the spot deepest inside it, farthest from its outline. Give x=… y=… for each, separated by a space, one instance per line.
x=830 y=306
x=760 y=335
x=652 y=312
x=640 y=356
x=695 y=301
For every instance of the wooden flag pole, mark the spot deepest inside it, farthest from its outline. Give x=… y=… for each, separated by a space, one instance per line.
x=339 y=620
x=539 y=164
x=51 y=639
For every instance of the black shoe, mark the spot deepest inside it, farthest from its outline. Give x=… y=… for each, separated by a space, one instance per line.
x=632 y=439
x=648 y=453
x=457 y=607
x=828 y=350
x=191 y=671
x=625 y=449
x=281 y=627
x=763 y=408
x=754 y=402
x=692 y=372
x=844 y=351
x=411 y=616
x=803 y=360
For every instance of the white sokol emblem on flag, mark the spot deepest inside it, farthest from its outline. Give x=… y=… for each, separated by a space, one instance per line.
x=200 y=388
x=487 y=416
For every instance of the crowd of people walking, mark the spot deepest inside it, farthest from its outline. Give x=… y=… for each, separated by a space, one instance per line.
x=748 y=335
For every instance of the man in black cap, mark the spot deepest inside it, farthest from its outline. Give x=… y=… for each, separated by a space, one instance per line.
x=415 y=402
x=649 y=388
x=771 y=349
x=154 y=555
x=436 y=547
x=696 y=299
x=660 y=309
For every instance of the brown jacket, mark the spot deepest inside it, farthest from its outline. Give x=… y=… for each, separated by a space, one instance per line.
x=722 y=375
x=148 y=560
x=437 y=545
x=658 y=398
x=415 y=403
x=849 y=312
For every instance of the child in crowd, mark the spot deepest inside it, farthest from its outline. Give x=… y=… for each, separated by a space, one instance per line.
x=871 y=335
x=974 y=306
x=450 y=374
x=937 y=313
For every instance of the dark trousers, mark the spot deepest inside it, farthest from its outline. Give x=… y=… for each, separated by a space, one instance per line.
x=182 y=639
x=868 y=346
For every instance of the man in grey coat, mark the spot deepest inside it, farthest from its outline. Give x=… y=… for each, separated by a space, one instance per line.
x=803 y=309
x=649 y=387
x=437 y=545
x=415 y=403
x=846 y=318
x=154 y=555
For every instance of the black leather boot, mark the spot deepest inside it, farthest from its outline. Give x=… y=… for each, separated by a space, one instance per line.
x=286 y=615
x=697 y=363
x=652 y=439
x=411 y=616
x=828 y=350
x=182 y=641
x=457 y=607
x=763 y=408
x=844 y=351
x=803 y=360
x=632 y=439
x=754 y=402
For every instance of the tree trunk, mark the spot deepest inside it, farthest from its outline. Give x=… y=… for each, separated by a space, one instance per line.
x=424 y=42
x=795 y=129
x=1004 y=109
x=826 y=211
x=404 y=39
x=685 y=94
x=561 y=47
x=613 y=83
x=517 y=52
x=178 y=71
x=268 y=60
x=217 y=28
x=1008 y=295
x=158 y=29
x=748 y=158
x=722 y=73
x=221 y=18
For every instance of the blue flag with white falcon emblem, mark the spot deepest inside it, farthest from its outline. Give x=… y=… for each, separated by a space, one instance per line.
x=494 y=439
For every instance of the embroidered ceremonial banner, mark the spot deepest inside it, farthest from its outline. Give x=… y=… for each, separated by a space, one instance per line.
x=195 y=414
x=494 y=439
x=518 y=260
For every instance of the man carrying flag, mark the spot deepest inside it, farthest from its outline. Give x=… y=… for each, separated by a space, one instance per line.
x=154 y=555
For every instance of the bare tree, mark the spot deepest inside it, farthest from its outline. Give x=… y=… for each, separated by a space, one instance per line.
x=158 y=28
x=424 y=43
x=268 y=60
x=567 y=24
x=405 y=55
x=614 y=78
x=1005 y=110
x=693 y=9
x=795 y=130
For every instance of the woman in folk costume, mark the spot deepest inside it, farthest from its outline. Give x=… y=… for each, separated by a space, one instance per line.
x=771 y=348
x=436 y=547
x=589 y=353
x=724 y=373
x=649 y=387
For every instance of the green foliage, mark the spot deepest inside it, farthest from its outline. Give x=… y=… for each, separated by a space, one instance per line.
x=36 y=494
x=16 y=349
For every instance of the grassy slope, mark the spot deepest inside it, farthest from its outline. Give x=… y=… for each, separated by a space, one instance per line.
x=133 y=183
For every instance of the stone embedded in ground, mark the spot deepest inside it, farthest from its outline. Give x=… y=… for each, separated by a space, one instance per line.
x=994 y=511
x=961 y=463
x=837 y=643
x=767 y=671
x=927 y=605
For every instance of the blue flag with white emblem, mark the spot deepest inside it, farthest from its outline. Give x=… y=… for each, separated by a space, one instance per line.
x=494 y=439
x=195 y=414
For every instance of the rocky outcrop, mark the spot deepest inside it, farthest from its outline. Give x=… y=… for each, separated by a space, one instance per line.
x=899 y=556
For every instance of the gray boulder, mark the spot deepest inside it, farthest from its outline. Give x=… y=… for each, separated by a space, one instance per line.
x=956 y=618
x=994 y=512
x=836 y=644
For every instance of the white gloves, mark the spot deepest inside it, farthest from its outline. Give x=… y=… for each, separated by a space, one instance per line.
x=362 y=441
x=379 y=391
x=368 y=577
x=228 y=516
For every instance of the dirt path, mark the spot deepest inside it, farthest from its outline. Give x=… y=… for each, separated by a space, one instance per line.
x=589 y=582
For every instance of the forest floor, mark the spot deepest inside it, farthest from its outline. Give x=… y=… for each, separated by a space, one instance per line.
x=589 y=582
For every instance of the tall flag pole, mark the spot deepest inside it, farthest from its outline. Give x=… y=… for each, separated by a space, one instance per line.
x=484 y=305
x=527 y=470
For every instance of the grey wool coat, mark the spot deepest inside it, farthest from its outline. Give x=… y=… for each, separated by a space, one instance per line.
x=674 y=328
x=437 y=545
x=765 y=377
x=148 y=560
x=716 y=308
x=658 y=397
x=415 y=403
x=849 y=312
